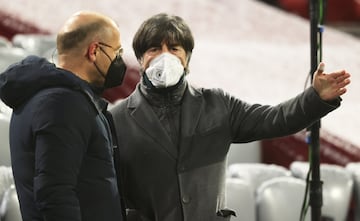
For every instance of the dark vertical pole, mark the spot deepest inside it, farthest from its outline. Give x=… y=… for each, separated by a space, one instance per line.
x=315 y=183
x=314 y=156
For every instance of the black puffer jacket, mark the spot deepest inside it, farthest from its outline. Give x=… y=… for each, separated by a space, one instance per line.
x=61 y=148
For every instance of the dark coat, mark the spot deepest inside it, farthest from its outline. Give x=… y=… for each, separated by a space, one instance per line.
x=163 y=182
x=61 y=148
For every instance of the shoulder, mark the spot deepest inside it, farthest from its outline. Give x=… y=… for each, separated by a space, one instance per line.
x=134 y=100
x=61 y=105
x=62 y=97
x=207 y=93
x=118 y=105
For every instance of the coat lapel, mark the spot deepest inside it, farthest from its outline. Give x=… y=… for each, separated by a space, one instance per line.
x=145 y=117
x=190 y=115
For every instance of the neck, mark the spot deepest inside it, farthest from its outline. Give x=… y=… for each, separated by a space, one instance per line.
x=163 y=96
x=67 y=62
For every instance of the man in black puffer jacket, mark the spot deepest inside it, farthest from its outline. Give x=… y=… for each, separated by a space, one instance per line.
x=60 y=139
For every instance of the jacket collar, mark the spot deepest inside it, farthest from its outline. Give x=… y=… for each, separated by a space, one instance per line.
x=145 y=117
x=164 y=96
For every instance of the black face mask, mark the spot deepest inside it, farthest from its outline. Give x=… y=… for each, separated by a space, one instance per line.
x=115 y=74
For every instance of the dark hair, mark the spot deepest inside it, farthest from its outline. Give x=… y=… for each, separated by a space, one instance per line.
x=162 y=28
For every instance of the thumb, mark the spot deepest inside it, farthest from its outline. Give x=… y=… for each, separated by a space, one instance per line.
x=320 y=68
x=317 y=74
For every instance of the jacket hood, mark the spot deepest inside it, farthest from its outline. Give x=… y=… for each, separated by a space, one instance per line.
x=22 y=80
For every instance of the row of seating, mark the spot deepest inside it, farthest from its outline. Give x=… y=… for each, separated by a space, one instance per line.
x=259 y=191
x=262 y=192
x=5 y=114
x=23 y=45
x=9 y=204
x=256 y=191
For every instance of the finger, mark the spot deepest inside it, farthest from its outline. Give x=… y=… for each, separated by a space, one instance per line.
x=343 y=83
x=339 y=74
x=346 y=74
x=341 y=91
x=343 y=78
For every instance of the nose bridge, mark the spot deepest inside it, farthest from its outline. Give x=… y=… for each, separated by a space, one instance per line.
x=165 y=48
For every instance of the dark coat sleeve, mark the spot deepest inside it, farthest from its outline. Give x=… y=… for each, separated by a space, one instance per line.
x=250 y=122
x=61 y=130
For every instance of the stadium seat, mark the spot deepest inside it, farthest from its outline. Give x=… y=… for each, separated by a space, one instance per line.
x=4 y=109
x=280 y=199
x=354 y=168
x=10 y=208
x=9 y=205
x=10 y=55
x=6 y=179
x=4 y=140
x=337 y=188
x=240 y=198
x=4 y=42
x=256 y=173
x=37 y=44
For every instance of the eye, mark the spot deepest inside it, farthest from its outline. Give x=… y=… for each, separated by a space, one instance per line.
x=153 y=49
x=175 y=48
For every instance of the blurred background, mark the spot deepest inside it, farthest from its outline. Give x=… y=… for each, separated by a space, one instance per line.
x=256 y=50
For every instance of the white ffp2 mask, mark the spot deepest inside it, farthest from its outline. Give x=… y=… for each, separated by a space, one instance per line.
x=165 y=70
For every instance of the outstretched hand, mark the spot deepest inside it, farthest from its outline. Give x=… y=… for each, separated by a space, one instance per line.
x=332 y=85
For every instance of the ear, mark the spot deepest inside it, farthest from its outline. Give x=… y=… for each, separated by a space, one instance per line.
x=141 y=63
x=140 y=60
x=92 y=50
x=188 y=56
